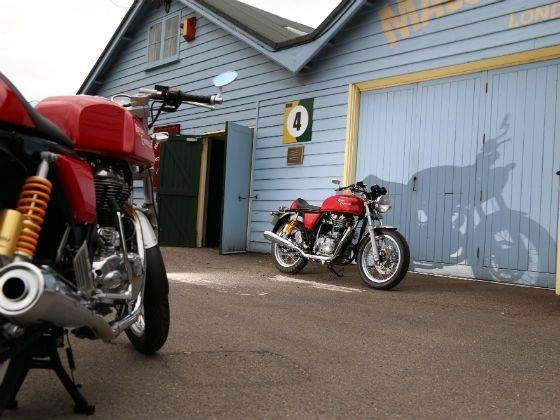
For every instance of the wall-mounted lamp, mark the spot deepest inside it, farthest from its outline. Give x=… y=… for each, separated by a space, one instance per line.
x=189 y=28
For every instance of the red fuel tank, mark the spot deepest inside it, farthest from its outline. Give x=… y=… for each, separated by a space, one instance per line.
x=99 y=126
x=346 y=203
x=12 y=109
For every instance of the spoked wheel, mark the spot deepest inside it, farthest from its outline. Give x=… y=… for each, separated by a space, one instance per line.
x=286 y=260
x=149 y=333
x=394 y=258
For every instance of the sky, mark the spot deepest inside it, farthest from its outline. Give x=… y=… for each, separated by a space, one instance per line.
x=47 y=47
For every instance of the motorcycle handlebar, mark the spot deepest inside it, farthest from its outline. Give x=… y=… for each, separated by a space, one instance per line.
x=201 y=99
x=177 y=95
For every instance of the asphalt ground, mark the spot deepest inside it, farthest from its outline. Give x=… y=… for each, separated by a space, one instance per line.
x=247 y=342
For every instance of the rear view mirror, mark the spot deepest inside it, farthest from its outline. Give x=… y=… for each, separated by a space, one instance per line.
x=225 y=79
x=335 y=181
x=159 y=137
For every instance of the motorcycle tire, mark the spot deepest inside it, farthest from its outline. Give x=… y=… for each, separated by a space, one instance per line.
x=9 y=381
x=155 y=307
x=401 y=269
x=282 y=266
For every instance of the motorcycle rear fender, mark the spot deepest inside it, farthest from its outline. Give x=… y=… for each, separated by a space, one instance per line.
x=283 y=219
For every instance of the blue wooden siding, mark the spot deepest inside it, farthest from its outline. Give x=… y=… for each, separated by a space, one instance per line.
x=361 y=52
x=474 y=185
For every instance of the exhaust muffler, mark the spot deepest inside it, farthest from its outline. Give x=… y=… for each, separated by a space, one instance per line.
x=274 y=238
x=29 y=295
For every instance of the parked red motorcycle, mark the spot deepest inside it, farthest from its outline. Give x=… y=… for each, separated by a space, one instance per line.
x=75 y=253
x=346 y=228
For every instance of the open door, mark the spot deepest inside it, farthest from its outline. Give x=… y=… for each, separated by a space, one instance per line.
x=177 y=194
x=237 y=180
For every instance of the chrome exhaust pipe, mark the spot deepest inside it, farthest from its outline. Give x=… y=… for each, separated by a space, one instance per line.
x=272 y=237
x=29 y=295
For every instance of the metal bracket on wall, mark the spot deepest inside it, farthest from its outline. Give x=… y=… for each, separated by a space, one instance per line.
x=253 y=197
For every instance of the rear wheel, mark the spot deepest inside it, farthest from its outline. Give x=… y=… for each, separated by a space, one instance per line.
x=286 y=260
x=149 y=333
x=394 y=258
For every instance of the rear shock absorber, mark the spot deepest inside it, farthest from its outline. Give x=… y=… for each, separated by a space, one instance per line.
x=32 y=204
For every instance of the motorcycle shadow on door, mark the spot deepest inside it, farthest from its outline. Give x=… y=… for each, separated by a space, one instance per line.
x=484 y=220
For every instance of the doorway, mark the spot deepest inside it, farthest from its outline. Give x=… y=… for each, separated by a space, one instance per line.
x=213 y=190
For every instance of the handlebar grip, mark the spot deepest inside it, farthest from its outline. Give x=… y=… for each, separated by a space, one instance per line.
x=201 y=99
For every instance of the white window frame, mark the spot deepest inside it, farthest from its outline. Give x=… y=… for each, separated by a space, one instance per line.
x=167 y=60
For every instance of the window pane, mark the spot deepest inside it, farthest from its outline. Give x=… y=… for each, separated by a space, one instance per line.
x=171 y=37
x=154 y=42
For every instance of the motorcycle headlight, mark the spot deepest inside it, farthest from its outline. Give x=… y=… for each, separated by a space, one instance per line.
x=382 y=204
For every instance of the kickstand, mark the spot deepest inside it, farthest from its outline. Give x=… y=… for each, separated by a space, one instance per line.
x=44 y=355
x=338 y=274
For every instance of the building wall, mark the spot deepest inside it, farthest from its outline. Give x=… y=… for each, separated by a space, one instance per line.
x=386 y=39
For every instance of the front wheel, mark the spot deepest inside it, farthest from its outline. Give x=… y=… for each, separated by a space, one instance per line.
x=149 y=333
x=394 y=258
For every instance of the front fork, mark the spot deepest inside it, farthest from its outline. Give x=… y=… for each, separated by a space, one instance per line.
x=371 y=231
x=149 y=206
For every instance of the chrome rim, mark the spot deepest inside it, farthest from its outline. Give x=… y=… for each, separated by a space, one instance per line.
x=286 y=257
x=4 y=369
x=139 y=327
x=389 y=259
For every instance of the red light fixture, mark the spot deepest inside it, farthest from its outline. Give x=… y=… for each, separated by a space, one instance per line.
x=189 y=29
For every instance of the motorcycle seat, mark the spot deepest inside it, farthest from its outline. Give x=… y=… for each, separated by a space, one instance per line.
x=44 y=128
x=301 y=204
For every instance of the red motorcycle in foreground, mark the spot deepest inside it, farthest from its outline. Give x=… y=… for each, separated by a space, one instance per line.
x=75 y=254
x=346 y=228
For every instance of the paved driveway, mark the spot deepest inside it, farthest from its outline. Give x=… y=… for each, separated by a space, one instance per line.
x=247 y=342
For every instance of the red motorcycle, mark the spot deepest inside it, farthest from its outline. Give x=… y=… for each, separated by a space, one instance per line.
x=75 y=253
x=346 y=228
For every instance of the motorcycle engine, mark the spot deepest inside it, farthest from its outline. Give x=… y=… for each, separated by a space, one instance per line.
x=335 y=226
x=111 y=187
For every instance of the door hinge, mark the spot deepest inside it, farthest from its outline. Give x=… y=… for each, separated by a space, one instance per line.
x=486 y=88
x=477 y=253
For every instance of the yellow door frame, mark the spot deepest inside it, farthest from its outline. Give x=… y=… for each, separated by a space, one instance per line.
x=355 y=91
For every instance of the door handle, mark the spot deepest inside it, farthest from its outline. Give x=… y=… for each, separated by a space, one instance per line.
x=414 y=183
x=254 y=197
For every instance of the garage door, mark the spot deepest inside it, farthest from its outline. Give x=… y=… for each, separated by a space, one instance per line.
x=470 y=164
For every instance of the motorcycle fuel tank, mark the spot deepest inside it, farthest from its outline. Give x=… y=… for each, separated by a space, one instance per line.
x=99 y=126
x=12 y=109
x=346 y=203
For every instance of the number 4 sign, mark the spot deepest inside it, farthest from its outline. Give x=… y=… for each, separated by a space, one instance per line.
x=298 y=121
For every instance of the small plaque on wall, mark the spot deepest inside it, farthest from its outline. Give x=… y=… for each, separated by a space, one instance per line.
x=295 y=155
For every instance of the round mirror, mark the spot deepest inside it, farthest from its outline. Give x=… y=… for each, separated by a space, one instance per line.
x=122 y=100
x=225 y=79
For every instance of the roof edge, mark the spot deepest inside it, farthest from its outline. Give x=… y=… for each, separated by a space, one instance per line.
x=109 y=49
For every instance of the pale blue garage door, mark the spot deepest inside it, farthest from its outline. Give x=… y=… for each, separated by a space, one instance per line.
x=470 y=163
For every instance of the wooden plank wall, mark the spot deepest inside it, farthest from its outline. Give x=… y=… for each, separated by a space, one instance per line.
x=478 y=29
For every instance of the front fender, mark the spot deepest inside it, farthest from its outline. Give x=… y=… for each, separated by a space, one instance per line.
x=148 y=234
x=377 y=230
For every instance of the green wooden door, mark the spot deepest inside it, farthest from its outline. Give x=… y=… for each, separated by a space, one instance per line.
x=177 y=194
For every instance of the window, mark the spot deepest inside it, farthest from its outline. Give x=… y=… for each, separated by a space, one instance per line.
x=163 y=41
